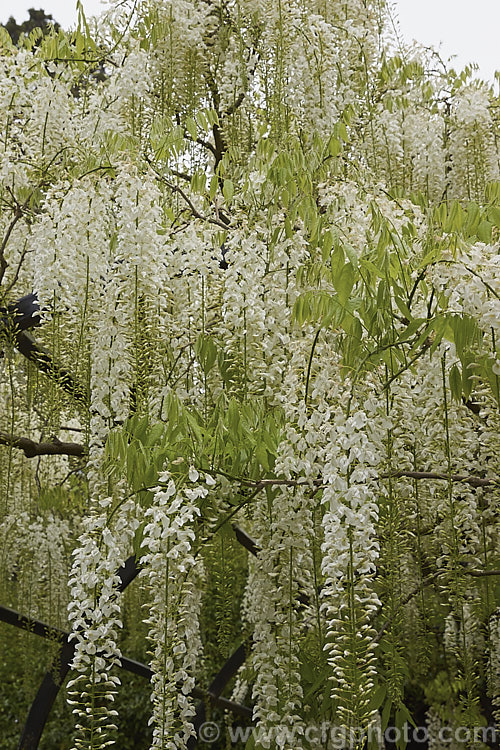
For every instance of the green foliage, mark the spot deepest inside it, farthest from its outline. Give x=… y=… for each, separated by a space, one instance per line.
x=239 y=440
x=184 y=143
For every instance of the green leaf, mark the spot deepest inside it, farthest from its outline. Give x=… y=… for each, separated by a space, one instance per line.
x=138 y=537
x=377 y=698
x=155 y=433
x=337 y=261
x=342 y=132
x=484 y=232
x=261 y=455
x=326 y=245
x=455 y=383
x=233 y=417
x=191 y=128
x=400 y=302
x=456 y=217
x=202 y=120
x=473 y=219
x=464 y=332
x=494 y=215
x=430 y=257
x=468 y=370
x=298 y=310
x=386 y=713
x=438 y=325
x=316 y=678
x=214 y=184
x=212 y=117
x=383 y=294
x=334 y=146
x=131 y=464
x=198 y=182
x=402 y=716
x=141 y=429
x=171 y=408
x=206 y=352
x=351 y=254
x=228 y=190
x=411 y=329
x=344 y=283
x=492 y=192
x=371 y=267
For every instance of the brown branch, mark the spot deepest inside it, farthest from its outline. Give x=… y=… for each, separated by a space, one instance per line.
x=31 y=449
x=260 y=484
x=207 y=145
x=319 y=484
x=44 y=630
x=182 y=175
x=246 y=540
x=220 y=145
x=3 y=263
x=473 y=481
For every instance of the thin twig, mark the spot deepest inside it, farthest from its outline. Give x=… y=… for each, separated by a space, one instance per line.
x=177 y=189
x=425 y=582
x=15 y=278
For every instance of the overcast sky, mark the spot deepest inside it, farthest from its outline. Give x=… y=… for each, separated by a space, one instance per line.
x=467 y=28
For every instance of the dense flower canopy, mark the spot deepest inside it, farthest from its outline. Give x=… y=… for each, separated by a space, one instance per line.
x=262 y=244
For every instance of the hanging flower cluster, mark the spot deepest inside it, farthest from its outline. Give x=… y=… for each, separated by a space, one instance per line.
x=95 y=616
x=494 y=662
x=275 y=586
x=350 y=552
x=173 y=575
x=35 y=553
